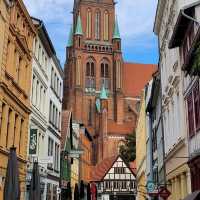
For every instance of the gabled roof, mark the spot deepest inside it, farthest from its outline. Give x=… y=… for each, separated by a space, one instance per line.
x=101 y=169
x=65 y=127
x=99 y=172
x=136 y=76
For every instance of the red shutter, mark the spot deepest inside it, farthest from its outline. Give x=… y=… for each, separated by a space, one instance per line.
x=190 y=115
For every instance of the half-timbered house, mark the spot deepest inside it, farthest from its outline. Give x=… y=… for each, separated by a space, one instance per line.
x=115 y=180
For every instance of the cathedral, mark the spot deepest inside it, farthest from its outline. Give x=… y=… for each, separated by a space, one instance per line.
x=100 y=89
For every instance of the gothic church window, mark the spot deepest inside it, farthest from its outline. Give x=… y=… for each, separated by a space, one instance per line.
x=105 y=75
x=97 y=25
x=89 y=23
x=90 y=74
x=106 y=26
x=78 y=72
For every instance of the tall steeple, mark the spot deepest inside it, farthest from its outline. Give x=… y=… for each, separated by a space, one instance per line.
x=70 y=40
x=79 y=30
x=116 y=33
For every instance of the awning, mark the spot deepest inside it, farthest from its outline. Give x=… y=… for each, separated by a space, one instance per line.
x=194 y=196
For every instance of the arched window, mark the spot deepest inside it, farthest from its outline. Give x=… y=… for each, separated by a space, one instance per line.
x=90 y=74
x=89 y=24
x=105 y=74
x=106 y=26
x=97 y=24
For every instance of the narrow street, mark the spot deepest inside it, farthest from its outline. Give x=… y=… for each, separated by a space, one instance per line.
x=99 y=100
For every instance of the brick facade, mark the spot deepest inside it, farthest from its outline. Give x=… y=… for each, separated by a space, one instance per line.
x=82 y=101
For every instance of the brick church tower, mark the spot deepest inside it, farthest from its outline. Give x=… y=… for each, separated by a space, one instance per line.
x=93 y=84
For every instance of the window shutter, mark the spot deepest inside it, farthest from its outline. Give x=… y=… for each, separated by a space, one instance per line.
x=197 y=105
x=190 y=115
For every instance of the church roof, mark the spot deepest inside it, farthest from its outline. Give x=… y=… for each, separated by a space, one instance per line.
x=103 y=94
x=70 y=40
x=135 y=77
x=79 y=30
x=116 y=33
x=120 y=129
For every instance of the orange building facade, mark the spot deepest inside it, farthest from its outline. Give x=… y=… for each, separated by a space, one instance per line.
x=85 y=158
x=100 y=89
x=15 y=84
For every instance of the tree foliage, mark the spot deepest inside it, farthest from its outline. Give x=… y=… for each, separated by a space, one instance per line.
x=128 y=150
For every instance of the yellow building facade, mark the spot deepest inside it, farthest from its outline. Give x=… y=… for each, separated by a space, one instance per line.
x=16 y=39
x=141 y=150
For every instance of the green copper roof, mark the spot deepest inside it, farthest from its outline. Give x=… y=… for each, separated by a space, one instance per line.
x=116 y=33
x=79 y=30
x=103 y=94
x=70 y=40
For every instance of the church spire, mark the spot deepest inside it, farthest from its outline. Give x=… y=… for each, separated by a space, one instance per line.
x=70 y=40
x=79 y=30
x=116 y=33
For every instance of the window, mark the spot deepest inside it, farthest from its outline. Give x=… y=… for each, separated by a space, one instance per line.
x=106 y=26
x=97 y=25
x=56 y=157
x=105 y=75
x=3 y=120
x=52 y=74
x=196 y=106
x=15 y=128
x=50 y=111
x=119 y=170
x=193 y=106
x=20 y=134
x=89 y=23
x=54 y=192
x=50 y=151
x=8 y=127
x=49 y=191
x=90 y=74
x=190 y=115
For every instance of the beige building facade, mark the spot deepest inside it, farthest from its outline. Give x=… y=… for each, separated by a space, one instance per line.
x=18 y=33
x=141 y=150
x=173 y=106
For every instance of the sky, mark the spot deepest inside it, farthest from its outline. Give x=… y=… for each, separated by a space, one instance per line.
x=135 y=17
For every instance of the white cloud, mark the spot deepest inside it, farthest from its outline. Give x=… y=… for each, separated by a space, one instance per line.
x=135 y=18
